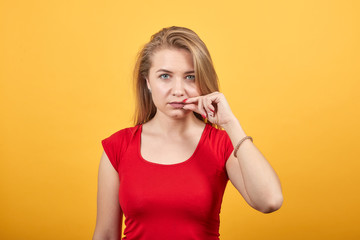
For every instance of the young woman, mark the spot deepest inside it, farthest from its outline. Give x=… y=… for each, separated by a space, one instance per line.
x=167 y=174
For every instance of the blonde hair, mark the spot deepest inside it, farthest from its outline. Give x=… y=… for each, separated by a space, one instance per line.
x=172 y=37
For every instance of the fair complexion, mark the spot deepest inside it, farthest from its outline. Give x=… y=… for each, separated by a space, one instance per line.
x=174 y=130
x=171 y=79
x=250 y=172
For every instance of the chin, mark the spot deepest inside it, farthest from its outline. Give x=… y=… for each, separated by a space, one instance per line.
x=180 y=114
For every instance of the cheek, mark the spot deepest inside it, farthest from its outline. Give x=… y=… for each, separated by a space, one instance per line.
x=161 y=90
x=193 y=91
x=159 y=94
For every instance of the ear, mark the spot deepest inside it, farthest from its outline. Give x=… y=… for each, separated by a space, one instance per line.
x=147 y=83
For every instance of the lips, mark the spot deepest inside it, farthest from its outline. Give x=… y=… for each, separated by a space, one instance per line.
x=177 y=104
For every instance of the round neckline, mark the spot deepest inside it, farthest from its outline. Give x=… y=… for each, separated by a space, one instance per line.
x=173 y=164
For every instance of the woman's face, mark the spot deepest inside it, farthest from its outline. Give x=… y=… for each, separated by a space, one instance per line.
x=171 y=80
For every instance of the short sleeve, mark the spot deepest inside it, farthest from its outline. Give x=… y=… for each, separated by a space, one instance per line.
x=109 y=148
x=228 y=146
x=114 y=145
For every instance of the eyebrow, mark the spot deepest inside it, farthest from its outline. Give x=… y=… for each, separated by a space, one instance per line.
x=167 y=71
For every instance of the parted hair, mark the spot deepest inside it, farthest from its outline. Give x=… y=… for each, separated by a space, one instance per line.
x=172 y=37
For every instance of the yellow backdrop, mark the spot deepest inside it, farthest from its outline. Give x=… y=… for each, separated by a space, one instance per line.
x=289 y=70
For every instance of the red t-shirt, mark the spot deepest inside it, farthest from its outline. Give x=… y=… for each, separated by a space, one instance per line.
x=179 y=201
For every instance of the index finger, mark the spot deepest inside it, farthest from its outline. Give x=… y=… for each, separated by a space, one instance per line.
x=191 y=100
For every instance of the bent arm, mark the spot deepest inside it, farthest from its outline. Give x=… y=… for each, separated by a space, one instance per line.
x=109 y=213
x=259 y=179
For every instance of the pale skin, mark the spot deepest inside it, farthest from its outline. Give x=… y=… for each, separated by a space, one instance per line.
x=176 y=131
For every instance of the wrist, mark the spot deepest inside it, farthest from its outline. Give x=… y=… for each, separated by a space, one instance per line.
x=233 y=122
x=234 y=130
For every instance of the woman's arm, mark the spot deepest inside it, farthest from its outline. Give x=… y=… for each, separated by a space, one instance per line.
x=109 y=213
x=254 y=178
x=260 y=181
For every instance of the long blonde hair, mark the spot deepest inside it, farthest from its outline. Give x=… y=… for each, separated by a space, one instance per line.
x=172 y=37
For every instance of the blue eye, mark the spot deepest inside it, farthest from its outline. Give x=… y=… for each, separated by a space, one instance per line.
x=164 y=76
x=192 y=77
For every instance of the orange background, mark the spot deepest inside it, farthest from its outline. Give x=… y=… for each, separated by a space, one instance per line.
x=289 y=70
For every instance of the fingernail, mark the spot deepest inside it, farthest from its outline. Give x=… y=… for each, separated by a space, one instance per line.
x=203 y=116
x=212 y=110
x=184 y=100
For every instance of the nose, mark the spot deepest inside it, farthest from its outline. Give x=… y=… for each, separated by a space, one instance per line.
x=178 y=88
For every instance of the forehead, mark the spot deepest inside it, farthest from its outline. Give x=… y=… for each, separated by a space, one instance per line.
x=172 y=59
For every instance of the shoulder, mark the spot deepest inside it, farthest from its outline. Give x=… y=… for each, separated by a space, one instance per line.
x=219 y=143
x=219 y=140
x=216 y=133
x=120 y=139
x=127 y=132
x=117 y=143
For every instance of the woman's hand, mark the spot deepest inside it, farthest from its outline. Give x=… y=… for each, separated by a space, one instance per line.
x=212 y=106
